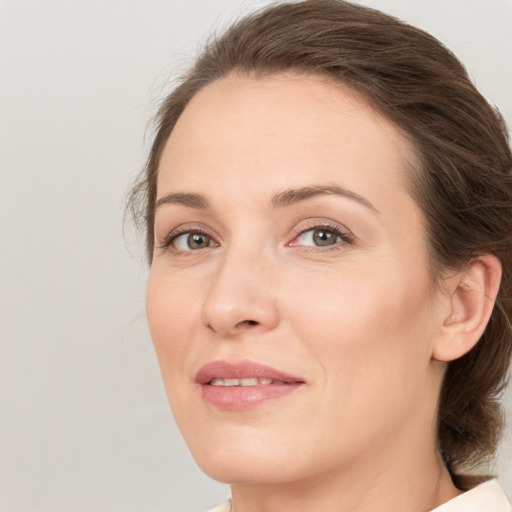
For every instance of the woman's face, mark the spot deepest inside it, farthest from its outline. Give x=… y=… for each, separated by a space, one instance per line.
x=289 y=297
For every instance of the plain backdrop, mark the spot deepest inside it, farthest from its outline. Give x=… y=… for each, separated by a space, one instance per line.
x=85 y=424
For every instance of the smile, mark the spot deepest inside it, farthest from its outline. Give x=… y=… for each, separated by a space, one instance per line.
x=251 y=381
x=243 y=385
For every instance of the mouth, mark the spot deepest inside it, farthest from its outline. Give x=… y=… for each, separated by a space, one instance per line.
x=243 y=385
x=248 y=381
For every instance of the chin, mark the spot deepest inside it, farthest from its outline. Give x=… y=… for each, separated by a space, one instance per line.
x=238 y=471
x=240 y=459
x=232 y=473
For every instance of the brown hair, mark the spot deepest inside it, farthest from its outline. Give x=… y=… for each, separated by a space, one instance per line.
x=464 y=180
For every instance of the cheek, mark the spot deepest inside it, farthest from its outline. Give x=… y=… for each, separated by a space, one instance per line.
x=369 y=339
x=368 y=323
x=172 y=317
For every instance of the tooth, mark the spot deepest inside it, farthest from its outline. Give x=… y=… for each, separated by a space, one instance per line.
x=249 y=382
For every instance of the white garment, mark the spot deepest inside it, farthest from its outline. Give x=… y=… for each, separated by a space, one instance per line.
x=486 y=497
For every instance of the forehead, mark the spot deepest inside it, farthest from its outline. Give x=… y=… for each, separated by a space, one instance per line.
x=282 y=131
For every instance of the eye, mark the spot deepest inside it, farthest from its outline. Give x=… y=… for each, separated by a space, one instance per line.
x=321 y=237
x=192 y=241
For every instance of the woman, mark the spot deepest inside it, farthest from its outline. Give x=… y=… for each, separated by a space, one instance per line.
x=328 y=211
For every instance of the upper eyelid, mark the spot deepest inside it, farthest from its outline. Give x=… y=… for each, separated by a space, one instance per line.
x=311 y=224
x=343 y=237
x=172 y=240
x=189 y=229
x=299 y=228
x=321 y=223
x=183 y=230
x=189 y=226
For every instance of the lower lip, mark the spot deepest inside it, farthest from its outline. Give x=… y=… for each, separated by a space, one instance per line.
x=239 y=398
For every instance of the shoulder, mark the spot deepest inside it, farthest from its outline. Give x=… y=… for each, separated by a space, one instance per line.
x=223 y=507
x=485 y=497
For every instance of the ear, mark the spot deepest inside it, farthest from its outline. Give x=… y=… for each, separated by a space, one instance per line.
x=471 y=294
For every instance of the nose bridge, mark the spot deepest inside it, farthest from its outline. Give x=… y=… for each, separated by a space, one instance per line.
x=240 y=294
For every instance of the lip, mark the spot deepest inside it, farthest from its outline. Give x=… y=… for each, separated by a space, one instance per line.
x=239 y=398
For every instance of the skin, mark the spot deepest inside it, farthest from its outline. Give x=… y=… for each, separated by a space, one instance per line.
x=358 y=320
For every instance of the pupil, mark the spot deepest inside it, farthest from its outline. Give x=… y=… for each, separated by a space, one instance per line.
x=324 y=237
x=198 y=241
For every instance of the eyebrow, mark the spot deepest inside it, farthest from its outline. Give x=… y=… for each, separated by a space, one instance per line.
x=280 y=200
x=191 y=200
x=297 y=195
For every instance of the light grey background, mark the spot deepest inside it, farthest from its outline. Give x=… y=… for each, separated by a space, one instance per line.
x=85 y=424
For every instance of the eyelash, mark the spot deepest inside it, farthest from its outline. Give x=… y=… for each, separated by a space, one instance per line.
x=345 y=237
x=167 y=242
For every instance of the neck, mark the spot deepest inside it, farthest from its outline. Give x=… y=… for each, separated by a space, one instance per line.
x=393 y=479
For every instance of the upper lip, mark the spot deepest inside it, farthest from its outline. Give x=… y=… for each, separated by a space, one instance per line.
x=241 y=370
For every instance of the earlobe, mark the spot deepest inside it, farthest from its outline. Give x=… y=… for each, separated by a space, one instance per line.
x=472 y=294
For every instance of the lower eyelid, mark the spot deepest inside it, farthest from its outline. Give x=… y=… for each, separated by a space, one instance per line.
x=186 y=234
x=169 y=242
x=342 y=236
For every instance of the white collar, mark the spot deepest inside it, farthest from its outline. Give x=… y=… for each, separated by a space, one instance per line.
x=486 y=497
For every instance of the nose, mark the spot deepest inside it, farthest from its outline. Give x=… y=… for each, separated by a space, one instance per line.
x=240 y=297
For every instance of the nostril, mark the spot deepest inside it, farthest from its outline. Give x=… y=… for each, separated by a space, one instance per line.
x=244 y=324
